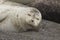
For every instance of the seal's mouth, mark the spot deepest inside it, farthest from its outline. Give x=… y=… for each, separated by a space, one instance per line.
x=33 y=28
x=31 y=25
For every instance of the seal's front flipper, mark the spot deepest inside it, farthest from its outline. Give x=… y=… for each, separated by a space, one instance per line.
x=3 y=15
x=2 y=18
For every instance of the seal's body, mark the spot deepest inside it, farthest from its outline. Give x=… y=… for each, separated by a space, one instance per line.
x=18 y=18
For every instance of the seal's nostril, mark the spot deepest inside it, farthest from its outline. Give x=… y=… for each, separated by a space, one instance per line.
x=32 y=20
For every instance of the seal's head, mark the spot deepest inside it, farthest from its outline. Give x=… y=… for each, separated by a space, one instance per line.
x=29 y=18
x=33 y=17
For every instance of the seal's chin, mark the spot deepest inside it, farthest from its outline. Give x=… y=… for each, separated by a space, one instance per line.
x=32 y=28
x=33 y=24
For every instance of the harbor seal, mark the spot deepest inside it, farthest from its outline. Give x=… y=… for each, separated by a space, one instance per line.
x=19 y=18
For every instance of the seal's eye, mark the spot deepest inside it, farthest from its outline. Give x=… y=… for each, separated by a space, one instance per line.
x=37 y=18
x=29 y=14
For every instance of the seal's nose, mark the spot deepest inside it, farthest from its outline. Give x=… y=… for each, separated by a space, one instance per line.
x=32 y=20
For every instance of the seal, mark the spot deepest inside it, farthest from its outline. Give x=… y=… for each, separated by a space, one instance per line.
x=19 y=18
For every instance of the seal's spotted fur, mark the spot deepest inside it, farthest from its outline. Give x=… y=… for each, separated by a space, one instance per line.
x=18 y=18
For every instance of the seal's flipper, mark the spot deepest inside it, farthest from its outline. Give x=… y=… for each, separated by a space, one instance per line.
x=3 y=15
